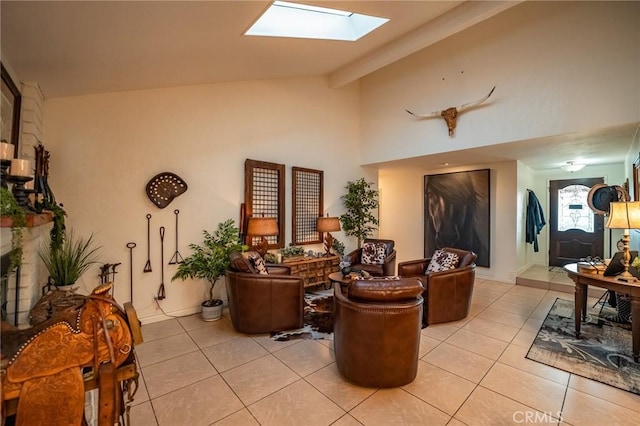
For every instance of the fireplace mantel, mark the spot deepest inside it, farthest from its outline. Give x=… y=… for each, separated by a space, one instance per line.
x=33 y=220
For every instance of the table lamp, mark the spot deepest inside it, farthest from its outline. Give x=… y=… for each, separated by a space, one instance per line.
x=328 y=224
x=262 y=227
x=625 y=215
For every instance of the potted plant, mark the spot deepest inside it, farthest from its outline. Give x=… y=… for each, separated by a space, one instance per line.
x=359 y=202
x=67 y=262
x=292 y=252
x=209 y=262
x=9 y=207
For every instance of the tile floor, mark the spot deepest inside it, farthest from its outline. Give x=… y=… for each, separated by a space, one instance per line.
x=471 y=372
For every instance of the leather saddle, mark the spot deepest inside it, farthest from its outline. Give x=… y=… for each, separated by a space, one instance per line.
x=46 y=367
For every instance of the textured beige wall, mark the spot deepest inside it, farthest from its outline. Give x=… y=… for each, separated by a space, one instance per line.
x=106 y=147
x=559 y=67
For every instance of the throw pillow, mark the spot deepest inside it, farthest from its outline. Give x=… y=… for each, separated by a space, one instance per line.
x=442 y=261
x=237 y=262
x=373 y=253
x=258 y=263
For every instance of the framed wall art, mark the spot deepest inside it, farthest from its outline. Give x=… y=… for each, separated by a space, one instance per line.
x=10 y=111
x=308 y=195
x=456 y=213
x=264 y=197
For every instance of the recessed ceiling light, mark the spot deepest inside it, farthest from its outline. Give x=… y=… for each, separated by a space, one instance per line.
x=284 y=19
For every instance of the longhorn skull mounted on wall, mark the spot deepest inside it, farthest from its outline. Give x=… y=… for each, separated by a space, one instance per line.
x=450 y=115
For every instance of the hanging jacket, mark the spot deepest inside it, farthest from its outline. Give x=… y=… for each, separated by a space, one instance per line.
x=535 y=220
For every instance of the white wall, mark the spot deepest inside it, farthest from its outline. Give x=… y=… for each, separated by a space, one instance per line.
x=402 y=206
x=559 y=67
x=106 y=147
x=526 y=179
x=402 y=209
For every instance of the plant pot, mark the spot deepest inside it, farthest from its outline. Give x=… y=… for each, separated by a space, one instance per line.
x=68 y=287
x=211 y=310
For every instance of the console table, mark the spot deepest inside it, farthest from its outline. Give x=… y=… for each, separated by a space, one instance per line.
x=583 y=280
x=314 y=270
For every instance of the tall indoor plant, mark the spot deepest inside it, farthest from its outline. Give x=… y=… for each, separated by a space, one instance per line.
x=360 y=201
x=68 y=261
x=209 y=262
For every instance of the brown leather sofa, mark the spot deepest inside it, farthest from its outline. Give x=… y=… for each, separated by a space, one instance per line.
x=377 y=331
x=388 y=268
x=263 y=303
x=447 y=295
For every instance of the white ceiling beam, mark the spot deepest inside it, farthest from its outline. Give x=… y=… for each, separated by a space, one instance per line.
x=452 y=22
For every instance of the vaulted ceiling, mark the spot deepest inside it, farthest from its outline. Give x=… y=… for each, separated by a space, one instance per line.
x=81 y=47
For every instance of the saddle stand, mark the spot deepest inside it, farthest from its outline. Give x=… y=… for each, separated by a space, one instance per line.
x=83 y=343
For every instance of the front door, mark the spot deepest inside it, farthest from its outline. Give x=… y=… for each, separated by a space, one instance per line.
x=575 y=231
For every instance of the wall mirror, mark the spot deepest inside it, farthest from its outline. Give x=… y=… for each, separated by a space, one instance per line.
x=10 y=111
x=635 y=173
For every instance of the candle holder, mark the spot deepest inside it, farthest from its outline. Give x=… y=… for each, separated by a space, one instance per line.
x=5 y=166
x=20 y=193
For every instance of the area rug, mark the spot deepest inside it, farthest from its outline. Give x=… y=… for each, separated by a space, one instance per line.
x=603 y=353
x=318 y=318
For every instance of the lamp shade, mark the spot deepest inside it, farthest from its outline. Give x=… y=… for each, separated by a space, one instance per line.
x=328 y=224
x=262 y=226
x=624 y=215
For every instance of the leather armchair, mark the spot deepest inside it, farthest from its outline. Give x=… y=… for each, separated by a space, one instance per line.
x=377 y=331
x=447 y=295
x=261 y=303
x=386 y=269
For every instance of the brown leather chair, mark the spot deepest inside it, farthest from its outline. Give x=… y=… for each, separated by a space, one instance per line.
x=377 y=331
x=261 y=303
x=388 y=268
x=447 y=295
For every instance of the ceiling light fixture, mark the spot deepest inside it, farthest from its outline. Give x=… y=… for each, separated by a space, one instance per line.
x=571 y=166
x=285 y=19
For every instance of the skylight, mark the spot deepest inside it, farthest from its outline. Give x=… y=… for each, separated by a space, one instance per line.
x=284 y=19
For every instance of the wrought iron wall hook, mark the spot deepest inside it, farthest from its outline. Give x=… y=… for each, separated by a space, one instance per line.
x=113 y=275
x=114 y=272
x=147 y=266
x=177 y=257
x=104 y=273
x=131 y=246
x=161 y=294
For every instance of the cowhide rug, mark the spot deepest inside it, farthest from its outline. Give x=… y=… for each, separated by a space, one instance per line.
x=318 y=318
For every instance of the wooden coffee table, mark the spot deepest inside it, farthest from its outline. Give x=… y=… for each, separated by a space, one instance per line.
x=337 y=277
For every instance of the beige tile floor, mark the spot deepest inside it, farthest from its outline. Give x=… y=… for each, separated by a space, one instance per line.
x=471 y=372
